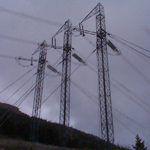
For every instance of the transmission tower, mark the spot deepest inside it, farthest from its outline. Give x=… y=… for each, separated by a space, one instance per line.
x=66 y=71
x=107 y=130
x=36 y=111
x=64 y=117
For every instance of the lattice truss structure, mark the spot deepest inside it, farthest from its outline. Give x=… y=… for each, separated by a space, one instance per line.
x=36 y=111
x=64 y=117
x=107 y=130
x=66 y=71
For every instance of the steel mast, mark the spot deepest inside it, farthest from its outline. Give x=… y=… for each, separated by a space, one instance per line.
x=107 y=130
x=66 y=72
x=64 y=117
x=36 y=111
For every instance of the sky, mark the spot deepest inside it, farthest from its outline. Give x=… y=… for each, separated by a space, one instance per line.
x=129 y=72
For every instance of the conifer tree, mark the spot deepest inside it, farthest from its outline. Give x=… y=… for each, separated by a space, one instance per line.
x=139 y=144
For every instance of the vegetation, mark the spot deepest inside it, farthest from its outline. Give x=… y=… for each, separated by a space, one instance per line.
x=139 y=144
x=17 y=144
x=19 y=125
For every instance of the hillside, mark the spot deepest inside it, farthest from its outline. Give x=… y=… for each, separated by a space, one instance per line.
x=15 y=144
x=18 y=126
x=10 y=107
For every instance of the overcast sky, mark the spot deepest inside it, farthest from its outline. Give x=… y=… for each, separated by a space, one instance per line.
x=130 y=89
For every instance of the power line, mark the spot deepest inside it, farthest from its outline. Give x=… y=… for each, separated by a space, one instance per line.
x=125 y=126
x=143 y=57
x=131 y=65
x=114 y=36
x=134 y=49
x=17 y=105
x=119 y=112
x=85 y=57
x=20 y=87
x=86 y=93
x=145 y=109
x=19 y=79
x=125 y=88
x=69 y=76
x=16 y=80
x=129 y=91
x=135 y=68
x=6 y=56
x=18 y=39
x=88 y=40
x=89 y=98
x=121 y=85
x=20 y=100
x=30 y=89
x=27 y=16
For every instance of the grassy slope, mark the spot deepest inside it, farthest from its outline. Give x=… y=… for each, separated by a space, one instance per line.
x=15 y=144
x=18 y=127
x=7 y=143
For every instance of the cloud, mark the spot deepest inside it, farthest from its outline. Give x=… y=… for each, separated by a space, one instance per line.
x=124 y=19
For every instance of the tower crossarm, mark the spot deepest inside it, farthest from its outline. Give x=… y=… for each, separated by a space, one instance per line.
x=63 y=28
x=85 y=31
x=94 y=11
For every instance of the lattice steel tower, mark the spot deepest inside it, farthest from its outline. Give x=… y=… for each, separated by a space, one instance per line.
x=36 y=111
x=107 y=130
x=64 y=116
x=66 y=72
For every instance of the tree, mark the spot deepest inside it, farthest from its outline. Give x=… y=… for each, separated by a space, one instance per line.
x=139 y=144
